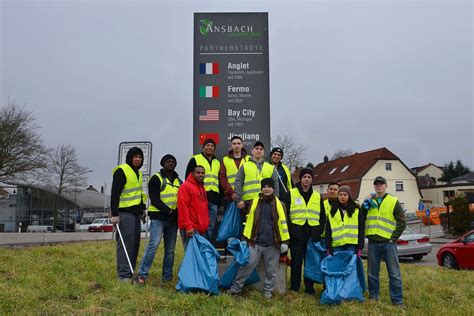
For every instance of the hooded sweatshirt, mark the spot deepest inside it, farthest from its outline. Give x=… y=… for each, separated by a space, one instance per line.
x=193 y=213
x=118 y=184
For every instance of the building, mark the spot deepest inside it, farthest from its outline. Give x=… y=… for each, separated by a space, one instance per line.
x=428 y=175
x=440 y=194
x=359 y=170
x=34 y=204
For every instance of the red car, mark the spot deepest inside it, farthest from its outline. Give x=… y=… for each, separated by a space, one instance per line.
x=101 y=225
x=458 y=254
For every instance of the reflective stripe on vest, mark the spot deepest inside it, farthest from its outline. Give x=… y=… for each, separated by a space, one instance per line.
x=253 y=177
x=300 y=212
x=282 y=224
x=211 y=178
x=169 y=196
x=381 y=221
x=132 y=193
x=231 y=169
x=344 y=231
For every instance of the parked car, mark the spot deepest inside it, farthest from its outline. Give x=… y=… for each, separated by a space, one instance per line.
x=40 y=229
x=410 y=244
x=458 y=254
x=101 y=225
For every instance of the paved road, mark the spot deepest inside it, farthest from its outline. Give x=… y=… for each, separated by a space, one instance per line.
x=28 y=239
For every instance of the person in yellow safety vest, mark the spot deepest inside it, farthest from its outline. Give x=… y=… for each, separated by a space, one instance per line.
x=230 y=165
x=306 y=221
x=332 y=190
x=384 y=224
x=345 y=224
x=211 y=181
x=266 y=232
x=127 y=204
x=248 y=178
x=163 y=191
x=285 y=182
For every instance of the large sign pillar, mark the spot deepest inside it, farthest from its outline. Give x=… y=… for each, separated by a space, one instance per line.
x=231 y=79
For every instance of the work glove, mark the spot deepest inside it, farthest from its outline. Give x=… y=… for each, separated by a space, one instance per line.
x=190 y=233
x=328 y=252
x=143 y=218
x=283 y=248
x=115 y=220
x=359 y=253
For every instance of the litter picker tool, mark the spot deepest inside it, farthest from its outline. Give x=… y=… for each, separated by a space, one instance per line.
x=125 y=249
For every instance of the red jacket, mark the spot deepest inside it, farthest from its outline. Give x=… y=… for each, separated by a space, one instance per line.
x=193 y=211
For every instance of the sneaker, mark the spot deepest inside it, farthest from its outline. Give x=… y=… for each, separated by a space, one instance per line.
x=124 y=280
x=230 y=292
x=267 y=295
x=141 y=281
x=400 y=305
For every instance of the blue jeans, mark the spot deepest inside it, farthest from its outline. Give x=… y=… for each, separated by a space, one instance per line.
x=212 y=221
x=167 y=231
x=388 y=251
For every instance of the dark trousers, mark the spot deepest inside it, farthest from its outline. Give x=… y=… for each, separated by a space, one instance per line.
x=299 y=236
x=130 y=228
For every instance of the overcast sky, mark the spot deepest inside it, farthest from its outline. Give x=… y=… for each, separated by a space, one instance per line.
x=343 y=74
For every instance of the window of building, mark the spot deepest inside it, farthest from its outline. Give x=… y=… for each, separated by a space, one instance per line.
x=333 y=170
x=388 y=166
x=399 y=186
x=345 y=168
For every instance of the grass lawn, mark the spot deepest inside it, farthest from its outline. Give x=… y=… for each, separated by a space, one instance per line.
x=80 y=278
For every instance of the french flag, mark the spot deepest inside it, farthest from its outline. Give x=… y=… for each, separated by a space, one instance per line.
x=208 y=68
x=208 y=91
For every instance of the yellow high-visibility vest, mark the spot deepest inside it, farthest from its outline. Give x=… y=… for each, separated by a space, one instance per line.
x=381 y=221
x=211 y=178
x=344 y=231
x=253 y=177
x=132 y=193
x=168 y=193
x=231 y=169
x=300 y=212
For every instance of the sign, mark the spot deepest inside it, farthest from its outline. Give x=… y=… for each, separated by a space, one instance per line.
x=427 y=212
x=231 y=79
x=146 y=147
x=421 y=206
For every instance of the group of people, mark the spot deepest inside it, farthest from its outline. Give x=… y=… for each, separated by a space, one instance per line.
x=277 y=216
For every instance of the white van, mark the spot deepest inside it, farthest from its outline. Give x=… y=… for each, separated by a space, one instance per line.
x=40 y=229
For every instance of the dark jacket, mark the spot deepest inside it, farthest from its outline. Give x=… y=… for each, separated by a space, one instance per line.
x=212 y=197
x=154 y=191
x=256 y=221
x=350 y=209
x=118 y=184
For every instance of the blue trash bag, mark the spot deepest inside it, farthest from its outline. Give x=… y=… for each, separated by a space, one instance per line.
x=315 y=253
x=341 y=276
x=231 y=226
x=198 y=271
x=241 y=254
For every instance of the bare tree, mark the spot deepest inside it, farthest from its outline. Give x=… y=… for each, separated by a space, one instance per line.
x=21 y=146
x=63 y=173
x=293 y=153
x=341 y=153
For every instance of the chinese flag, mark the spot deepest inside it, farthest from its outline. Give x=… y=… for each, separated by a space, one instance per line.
x=213 y=136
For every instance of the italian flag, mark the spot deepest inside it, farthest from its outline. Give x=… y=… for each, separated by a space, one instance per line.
x=208 y=68
x=208 y=91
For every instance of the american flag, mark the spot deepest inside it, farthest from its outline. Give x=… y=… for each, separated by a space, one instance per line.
x=209 y=115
